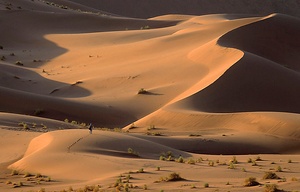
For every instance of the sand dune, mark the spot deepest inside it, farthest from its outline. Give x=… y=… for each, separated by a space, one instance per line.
x=151 y=8
x=213 y=86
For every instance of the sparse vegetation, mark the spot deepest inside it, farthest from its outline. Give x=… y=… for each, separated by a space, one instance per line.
x=172 y=177
x=151 y=127
x=251 y=181
x=270 y=175
x=206 y=185
x=278 y=169
x=294 y=179
x=271 y=188
x=133 y=152
x=191 y=161
x=231 y=166
x=27 y=174
x=233 y=160
x=14 y=172
x=180 y=160
x=142 y=91
x=145 y=27
x=19 y=63
x=145 y=187
x=211 y=163
x=141 y=170
x=154 y=133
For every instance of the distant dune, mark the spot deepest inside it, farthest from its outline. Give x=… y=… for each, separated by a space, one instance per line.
x=151 y=8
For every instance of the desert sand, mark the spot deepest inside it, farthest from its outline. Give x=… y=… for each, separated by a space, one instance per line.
x=212 y=96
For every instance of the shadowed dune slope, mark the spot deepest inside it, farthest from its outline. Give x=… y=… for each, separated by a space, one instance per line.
x=275 y=38
x=256 y=82
x=252 y=84
x=150 y=8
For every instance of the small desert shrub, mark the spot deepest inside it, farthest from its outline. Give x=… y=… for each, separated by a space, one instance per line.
x=48 y=179
x=254 y=163
x=162 y=158
x=294 y=179
x=251 y=181
x=145 y=187
x=258 y=158
x=180 y=160
x=191 y=161
x=199 y=160
x=27 y=174
x=233 y=160
x=244 y=170
x=154 y=133
x=249 y=160
x=278 y=169
x=14 y=172
x=211 y=163
x=145 y=27
x=271 y=188
x=174 y=177
x=8 y=182
x=151 y=127
x=141 y=170
x=231 y=166
x=38 y=175
x=270 y=175
x=289 y=161
x=142 y=91
x=19 y=63
x=133 y=152
x=206 y=185
x=157 y=168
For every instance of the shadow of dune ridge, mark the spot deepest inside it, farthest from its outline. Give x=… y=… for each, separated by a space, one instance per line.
x=274 y=38
x=265 y=78
x=252 y=84
x=23 y=91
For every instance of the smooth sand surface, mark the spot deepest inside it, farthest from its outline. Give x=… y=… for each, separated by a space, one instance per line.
x=215 y=87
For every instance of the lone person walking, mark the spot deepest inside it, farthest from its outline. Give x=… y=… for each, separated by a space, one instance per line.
x=90 y=128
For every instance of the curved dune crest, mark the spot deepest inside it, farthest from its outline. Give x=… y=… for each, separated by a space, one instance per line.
x=99 y=151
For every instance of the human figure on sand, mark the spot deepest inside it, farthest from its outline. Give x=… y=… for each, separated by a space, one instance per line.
x=91 y=128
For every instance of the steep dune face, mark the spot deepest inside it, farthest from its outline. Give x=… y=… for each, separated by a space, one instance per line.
x=256 y=82
x=274 y=38
x=245 y=78
x=252 y=84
